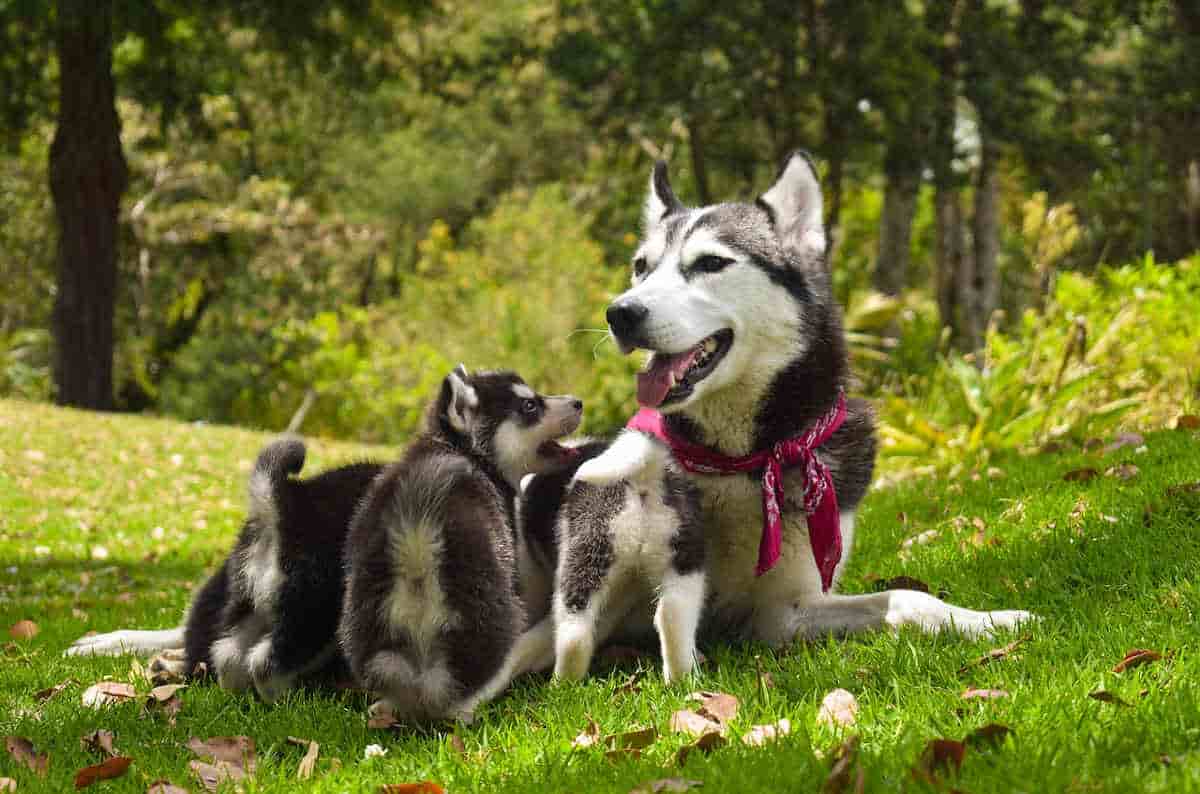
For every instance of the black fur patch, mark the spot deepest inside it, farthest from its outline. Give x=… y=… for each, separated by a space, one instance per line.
x=589 y=510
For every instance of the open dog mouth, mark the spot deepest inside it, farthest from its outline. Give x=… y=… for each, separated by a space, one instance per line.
x=671 y=377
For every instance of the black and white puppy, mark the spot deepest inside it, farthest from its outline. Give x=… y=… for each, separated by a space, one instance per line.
x=269 y=615
x=617 y=548
x=433 y=600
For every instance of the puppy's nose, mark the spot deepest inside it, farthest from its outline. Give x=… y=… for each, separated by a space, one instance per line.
x=577 y=404
x=625 y=316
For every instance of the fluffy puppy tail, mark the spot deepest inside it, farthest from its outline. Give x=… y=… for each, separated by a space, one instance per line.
x=276 y=462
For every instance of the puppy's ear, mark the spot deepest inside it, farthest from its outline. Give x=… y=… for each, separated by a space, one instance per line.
x=461 y=400
x=795 y=206
x=660 y=199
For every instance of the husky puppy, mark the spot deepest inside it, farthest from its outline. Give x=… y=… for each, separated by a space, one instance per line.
x=613 y=549
x=269 y=614
x=734 y=303
x=433 y=601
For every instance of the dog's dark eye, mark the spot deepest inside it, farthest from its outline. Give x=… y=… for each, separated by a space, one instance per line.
x=710 y=264
x=529 y=407
x=639 y=266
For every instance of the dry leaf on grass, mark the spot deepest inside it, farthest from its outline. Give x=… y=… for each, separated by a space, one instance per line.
x=694 y=724
x=1123 y=471
x=623 y=754
x=846 y=774
x=7 y=784
x=1136 y=658
x=1188 y=422
x=942 y=755
x=984 y=694
x=758 y=735
x=1124 y=440
x=23 y=630
x=589 y=737
x=839 y=707
x=211 y=776
x=705 y=744
x=106 y=770
x=100 y=741
x=995 y=654
x=1081 y=475
x=45 y=694
x=631 y=740
x=666 y=784
x=232 y=756
x=424 y=787
x=309 y=761
x=107 y=693
x=21 y=750
x=717 y=706
x=990 y=735
x=1104 y=696
x=165 y=787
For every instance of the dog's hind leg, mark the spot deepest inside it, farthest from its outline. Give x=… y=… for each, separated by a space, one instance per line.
x=116 y=643
x=849 y=614
x=680 y=602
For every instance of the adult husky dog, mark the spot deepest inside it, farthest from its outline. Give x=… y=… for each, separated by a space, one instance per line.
x=734 y=302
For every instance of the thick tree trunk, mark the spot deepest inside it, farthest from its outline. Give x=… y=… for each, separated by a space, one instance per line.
x=87 y=178
x=895 y=228
x=985 y=233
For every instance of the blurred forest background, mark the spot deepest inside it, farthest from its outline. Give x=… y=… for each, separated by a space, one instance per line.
x=227 y=211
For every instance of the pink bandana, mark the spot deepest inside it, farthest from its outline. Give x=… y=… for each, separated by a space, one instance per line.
x=820 y=499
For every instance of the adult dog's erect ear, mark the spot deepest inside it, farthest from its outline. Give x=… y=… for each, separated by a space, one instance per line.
x=795 y=205
x=460 y=400
x=661 y=200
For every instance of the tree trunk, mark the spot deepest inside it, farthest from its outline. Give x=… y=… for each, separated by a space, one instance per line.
x=985 y=234
x=87 y=178
x=895 y=228
x=699 y=166
x=949 y=255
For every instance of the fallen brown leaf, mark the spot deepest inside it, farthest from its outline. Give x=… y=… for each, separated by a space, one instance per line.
x=1123 y=471
x=233 y=757
x=100 y=741
x=990 y=735
x=165 y=692
x=309 y=761
x=995 y=654
x=1136 y=658
x=106 y=693
x=839 y=707
x=589 y=737
x=1188 y=422
x=1081 y=475
x=694 y=724
x=21 y=750
x=1124 y=440
x=983 y=694
x=1181 y=489
x=165 y=787
x=717 y=706
x=1104 y=696
x=632 y=740
x=211 y=776
x=758 y=735
x=706 y=743
x=23 y=630
x=666 y=784
x=623 y=754
x=846 y=770
x=942 y=755
x=7 y=784
x=45 y=694
x=424 y=787
x=106 y=770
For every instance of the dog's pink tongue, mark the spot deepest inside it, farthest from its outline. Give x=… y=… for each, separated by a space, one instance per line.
x=654 y=382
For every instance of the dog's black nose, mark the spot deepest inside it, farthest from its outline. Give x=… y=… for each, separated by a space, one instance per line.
x=625 y=316
x=577 y=405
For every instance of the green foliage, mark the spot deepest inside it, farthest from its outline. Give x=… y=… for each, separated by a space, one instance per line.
x=1118 y=347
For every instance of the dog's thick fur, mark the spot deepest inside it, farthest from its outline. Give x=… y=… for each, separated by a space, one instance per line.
x=753 y=278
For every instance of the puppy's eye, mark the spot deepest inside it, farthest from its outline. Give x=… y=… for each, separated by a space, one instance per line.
x=639 y=266
x=710 y=263
x=529 y=407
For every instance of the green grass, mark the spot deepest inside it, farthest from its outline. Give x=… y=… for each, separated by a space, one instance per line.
x=1107 y=580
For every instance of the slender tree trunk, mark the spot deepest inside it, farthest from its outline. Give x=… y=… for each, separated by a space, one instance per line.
x=833 y=214
x=949 y=254
x=985 y=237
x=944 y=22
x=87 y=178
x=895 y=228
x=696 y=150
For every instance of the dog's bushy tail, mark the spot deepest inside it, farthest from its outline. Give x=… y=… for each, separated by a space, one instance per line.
x=276 y=462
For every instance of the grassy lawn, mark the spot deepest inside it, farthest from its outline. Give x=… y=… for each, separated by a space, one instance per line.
x=107 y=522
